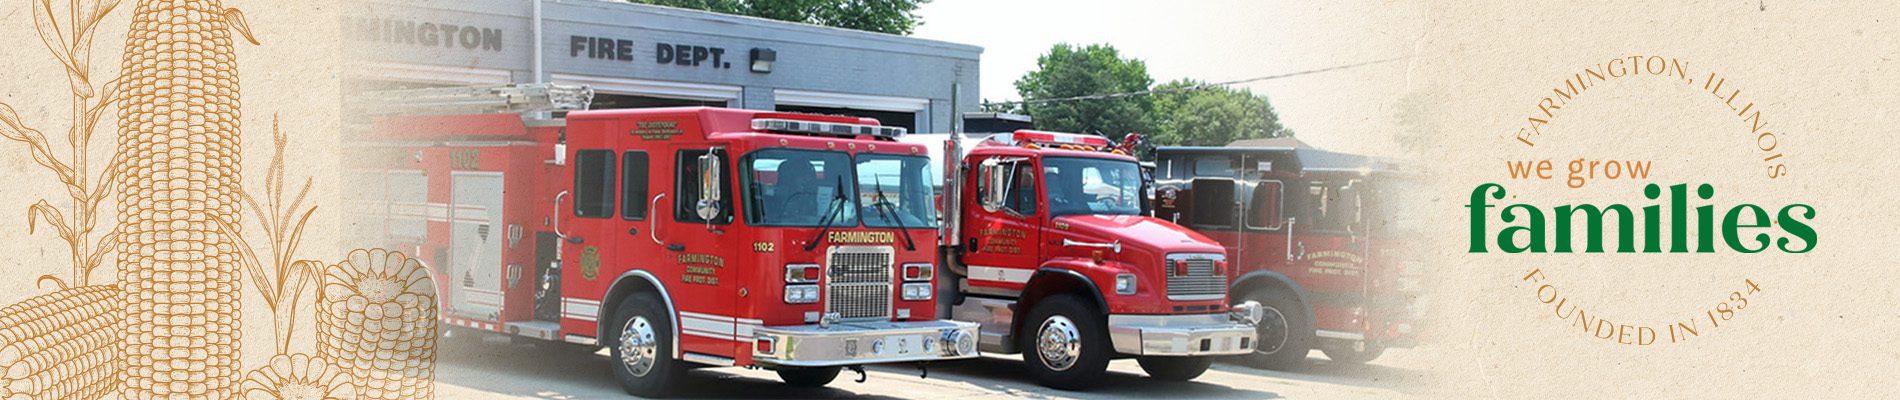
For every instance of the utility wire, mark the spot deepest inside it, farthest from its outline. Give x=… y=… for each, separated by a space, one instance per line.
x=1200 y=86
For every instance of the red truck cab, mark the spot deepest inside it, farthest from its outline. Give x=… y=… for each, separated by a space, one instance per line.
x=1058 y=261
x=1316 y=239
x=675 y=237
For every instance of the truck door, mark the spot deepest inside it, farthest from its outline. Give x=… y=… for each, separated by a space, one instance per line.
x=696 y=250
x=592 y=231
x=1264 y=243
x=1214 y=194
x=1004 y=243
x=1328 y=251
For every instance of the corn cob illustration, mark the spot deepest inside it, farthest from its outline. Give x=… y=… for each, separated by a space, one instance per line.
x=178 y=142
x=376 y=318
x=61 y=345
x=299 y=377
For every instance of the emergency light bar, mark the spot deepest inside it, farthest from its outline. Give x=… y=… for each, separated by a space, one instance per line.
x=827 y=128
x=1059 y=139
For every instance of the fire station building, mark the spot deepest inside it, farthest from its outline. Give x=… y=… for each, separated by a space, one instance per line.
x=649 y=56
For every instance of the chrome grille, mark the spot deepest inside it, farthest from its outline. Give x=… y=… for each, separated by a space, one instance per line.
x=1201 y=281
x=858 y=282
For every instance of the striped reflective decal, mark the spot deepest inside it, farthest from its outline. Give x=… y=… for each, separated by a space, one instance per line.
x=581 y=309
x=1000 y=274
x=718 y=326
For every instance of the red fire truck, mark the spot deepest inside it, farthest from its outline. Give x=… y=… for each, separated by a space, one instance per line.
x=674 y=237
x=1057 y=261
x=1315 y=239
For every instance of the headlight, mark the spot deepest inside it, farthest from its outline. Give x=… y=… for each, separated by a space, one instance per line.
x=917 y=291
x=801 y=294
x=801 y=273
x=1125 y=284
x=918 y=272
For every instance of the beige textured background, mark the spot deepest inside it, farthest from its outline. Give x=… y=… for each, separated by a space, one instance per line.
x=293 y=74
x=1825 y=79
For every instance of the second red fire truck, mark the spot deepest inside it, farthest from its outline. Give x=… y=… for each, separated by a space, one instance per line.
x=1053 y=255
x=673 y=237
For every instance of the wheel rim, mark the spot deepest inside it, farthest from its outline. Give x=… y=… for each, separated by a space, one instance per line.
x=1272 y=331
x=637 y=347
x=1058 y=342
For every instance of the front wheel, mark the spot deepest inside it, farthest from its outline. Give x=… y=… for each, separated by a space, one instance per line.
x=1284 y=334
x=1347 y=355
x=808 y=377
x=1065 y=345
x=641 y=352
x=1177 y=369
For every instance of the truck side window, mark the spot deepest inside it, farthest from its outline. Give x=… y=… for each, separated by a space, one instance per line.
x=594 y=183
x=633 y=173
x=686 y=186
x=1214 y=167
x=1021 y=193
x=1264 y=210
x=1323 y=207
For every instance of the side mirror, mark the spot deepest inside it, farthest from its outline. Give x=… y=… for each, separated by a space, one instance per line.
x=709 y=167
x=992 y=186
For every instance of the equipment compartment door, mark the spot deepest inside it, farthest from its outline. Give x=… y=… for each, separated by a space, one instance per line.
x=475 y=240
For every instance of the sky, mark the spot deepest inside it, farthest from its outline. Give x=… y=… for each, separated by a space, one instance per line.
x=1218 y=40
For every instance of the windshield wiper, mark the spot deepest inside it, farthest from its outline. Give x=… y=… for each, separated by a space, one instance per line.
x=882 y=203
x=824 y=226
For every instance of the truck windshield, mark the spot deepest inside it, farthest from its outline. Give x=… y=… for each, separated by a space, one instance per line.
x=904 y=183
x=785 y=187
x=1092 y=186
x=1385 y=207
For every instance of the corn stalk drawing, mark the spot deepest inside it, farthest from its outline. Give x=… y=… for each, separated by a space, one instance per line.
x=64 y=344
x=70 y=42
x=283 y=283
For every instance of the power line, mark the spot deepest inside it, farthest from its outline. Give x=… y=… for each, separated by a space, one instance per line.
x=1200 y=86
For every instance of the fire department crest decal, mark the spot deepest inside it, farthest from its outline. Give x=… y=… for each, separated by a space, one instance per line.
x=590 y=262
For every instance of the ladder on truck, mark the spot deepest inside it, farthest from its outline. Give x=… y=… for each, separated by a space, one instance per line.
x=531 y=100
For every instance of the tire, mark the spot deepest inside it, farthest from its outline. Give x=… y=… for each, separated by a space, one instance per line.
x=808 y=377
x=1285 y=333
x=1175 y=369
x=642 y=313
x=1346 y=355
x=1085 y=359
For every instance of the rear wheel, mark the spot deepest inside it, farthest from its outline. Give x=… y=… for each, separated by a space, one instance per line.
x=1284 y=334
x=808 y=377
x=1065 y=344
x=1178 y=369
x=1348 y=355
x=642 y=354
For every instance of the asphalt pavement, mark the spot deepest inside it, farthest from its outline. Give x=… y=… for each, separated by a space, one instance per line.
x=498 y=367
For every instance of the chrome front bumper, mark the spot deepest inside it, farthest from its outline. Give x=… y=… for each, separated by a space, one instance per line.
x=1181 y=335
x=855 y=343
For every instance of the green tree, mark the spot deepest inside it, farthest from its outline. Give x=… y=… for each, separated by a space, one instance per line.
x=1001 y=107
x=1098 y=69
x=1186 y=112
x=897 y=17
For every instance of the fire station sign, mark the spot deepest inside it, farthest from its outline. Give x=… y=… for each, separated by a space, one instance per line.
x=615 y=49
